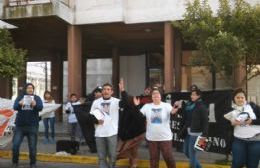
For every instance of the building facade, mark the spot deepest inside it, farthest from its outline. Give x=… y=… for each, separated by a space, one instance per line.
x=133 y=39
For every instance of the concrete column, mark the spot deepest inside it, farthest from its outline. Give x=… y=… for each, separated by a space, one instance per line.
x=116 y=69
x=6 y=88
x=57 y=82
x=6 y=3
x=71 y=4
x=189 y=81
x=84 y=76
x=74 y=60
x=177 y=61
x=168 y=57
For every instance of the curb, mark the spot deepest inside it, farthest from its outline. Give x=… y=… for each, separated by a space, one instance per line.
x=91 y=160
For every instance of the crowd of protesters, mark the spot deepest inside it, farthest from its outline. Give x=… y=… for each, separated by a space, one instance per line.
x=115 y=128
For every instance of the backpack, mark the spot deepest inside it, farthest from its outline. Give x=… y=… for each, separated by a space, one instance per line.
x=68 y=146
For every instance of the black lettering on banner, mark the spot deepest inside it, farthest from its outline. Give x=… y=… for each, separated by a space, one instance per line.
x=220 y=131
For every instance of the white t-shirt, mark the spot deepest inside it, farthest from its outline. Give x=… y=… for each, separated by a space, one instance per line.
x=243 y=131
x=72 y=117
x=109 y=113
x=158 y=121
x=51 y=114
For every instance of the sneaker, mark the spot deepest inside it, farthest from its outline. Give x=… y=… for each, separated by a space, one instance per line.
x=45 y=141
x=52 y=141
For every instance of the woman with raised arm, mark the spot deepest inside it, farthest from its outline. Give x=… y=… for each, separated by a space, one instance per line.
x=158 y=131
x=131 y=128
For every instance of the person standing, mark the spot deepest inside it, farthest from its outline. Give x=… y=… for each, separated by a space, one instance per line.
x=106 y=130
x=28 y=106
x=49 y=120
x=131 y=128
x=158 y=131
x=196 y=123
x=246 y=123
x=146 y=96
x=72 y=119
x=87 y=120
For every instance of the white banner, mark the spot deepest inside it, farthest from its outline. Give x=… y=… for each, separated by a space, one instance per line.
x=8 y=115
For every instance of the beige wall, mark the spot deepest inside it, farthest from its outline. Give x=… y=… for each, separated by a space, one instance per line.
x=132 y=69
x=253 y=90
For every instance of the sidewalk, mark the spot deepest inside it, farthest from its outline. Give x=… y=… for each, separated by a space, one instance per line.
x=46 y=152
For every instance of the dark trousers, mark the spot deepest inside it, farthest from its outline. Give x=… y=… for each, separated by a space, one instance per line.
x=49 y=123
x=166 y=148
x=31 y=132
x=245 y=153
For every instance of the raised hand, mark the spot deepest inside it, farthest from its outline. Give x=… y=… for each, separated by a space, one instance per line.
x=136 y=101
x=100 y=122
x=121 y=85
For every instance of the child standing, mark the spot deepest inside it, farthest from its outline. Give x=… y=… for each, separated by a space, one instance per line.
x=72 y=120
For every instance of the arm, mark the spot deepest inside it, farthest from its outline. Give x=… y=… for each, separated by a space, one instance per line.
x=177 y=105
x=124 y=95
x=256 y=122
x=137 y=103
x=39 y=105
x=93 y=118
x=252 y=122
x=124 y=98
x=174 y=110
x=256 y=110
x=17 y=105
x=205 y=121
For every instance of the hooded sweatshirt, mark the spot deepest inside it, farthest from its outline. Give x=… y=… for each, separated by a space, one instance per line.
x=29 y=116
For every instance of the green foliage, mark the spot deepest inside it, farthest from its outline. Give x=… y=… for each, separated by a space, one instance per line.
x=12 y=60
x=226 y=38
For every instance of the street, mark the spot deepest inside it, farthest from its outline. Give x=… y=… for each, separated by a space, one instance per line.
x=6 y=163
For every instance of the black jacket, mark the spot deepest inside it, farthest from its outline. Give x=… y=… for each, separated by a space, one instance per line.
x=131 y=121
x=256 y=110
x=27 y=117
x=199 y=119
x=85 y=119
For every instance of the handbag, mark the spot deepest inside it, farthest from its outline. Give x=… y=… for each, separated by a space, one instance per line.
x=68 y=146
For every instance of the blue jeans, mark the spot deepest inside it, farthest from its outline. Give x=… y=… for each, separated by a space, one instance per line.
x=75 y=131
x=106 y=147
x=31 y=132
x=245 y=153
x=46 y=122
x=190 y=152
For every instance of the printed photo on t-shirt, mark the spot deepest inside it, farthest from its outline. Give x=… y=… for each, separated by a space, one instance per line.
x=156 y=116
x=105 y=107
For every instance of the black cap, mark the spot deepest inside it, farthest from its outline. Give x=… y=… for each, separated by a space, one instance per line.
x=97 y=89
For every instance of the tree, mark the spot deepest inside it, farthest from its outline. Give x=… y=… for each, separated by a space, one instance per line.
x=12 y=60
x=225 y=40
